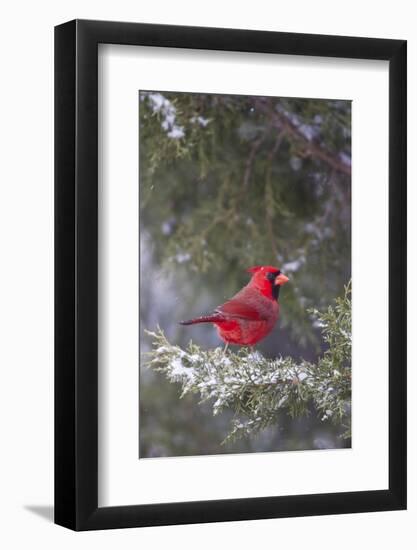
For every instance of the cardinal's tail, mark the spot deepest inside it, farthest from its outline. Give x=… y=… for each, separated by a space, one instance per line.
x=215 y=317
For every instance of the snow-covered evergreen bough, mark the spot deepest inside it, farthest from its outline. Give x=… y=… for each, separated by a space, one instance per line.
x=258 y=389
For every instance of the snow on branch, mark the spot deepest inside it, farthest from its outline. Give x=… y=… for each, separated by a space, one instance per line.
x=162 y=106
x=258 y=389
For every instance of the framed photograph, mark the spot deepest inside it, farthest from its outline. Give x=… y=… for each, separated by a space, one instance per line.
x=230 y=284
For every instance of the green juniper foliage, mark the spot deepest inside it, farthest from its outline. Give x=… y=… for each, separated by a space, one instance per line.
x=234 y=181
x=228 y=182
x=258 y=389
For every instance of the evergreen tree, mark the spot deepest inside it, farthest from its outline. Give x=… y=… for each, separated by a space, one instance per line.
x=227 y=182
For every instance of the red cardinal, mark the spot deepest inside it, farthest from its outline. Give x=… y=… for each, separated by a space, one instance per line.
x=252 y=313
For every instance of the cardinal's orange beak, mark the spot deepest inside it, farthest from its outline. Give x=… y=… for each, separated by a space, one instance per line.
x=281 y=279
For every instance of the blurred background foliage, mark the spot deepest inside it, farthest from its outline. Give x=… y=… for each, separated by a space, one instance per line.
x=227 y=182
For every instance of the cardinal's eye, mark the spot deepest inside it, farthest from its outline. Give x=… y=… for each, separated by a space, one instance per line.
x=271 y=276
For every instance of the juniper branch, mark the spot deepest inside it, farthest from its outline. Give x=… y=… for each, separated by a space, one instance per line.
x=258 y=389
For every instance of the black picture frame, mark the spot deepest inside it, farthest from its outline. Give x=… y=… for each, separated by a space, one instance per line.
x=76 y=272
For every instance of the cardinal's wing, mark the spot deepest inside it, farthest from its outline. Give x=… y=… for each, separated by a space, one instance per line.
x=241 y=306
